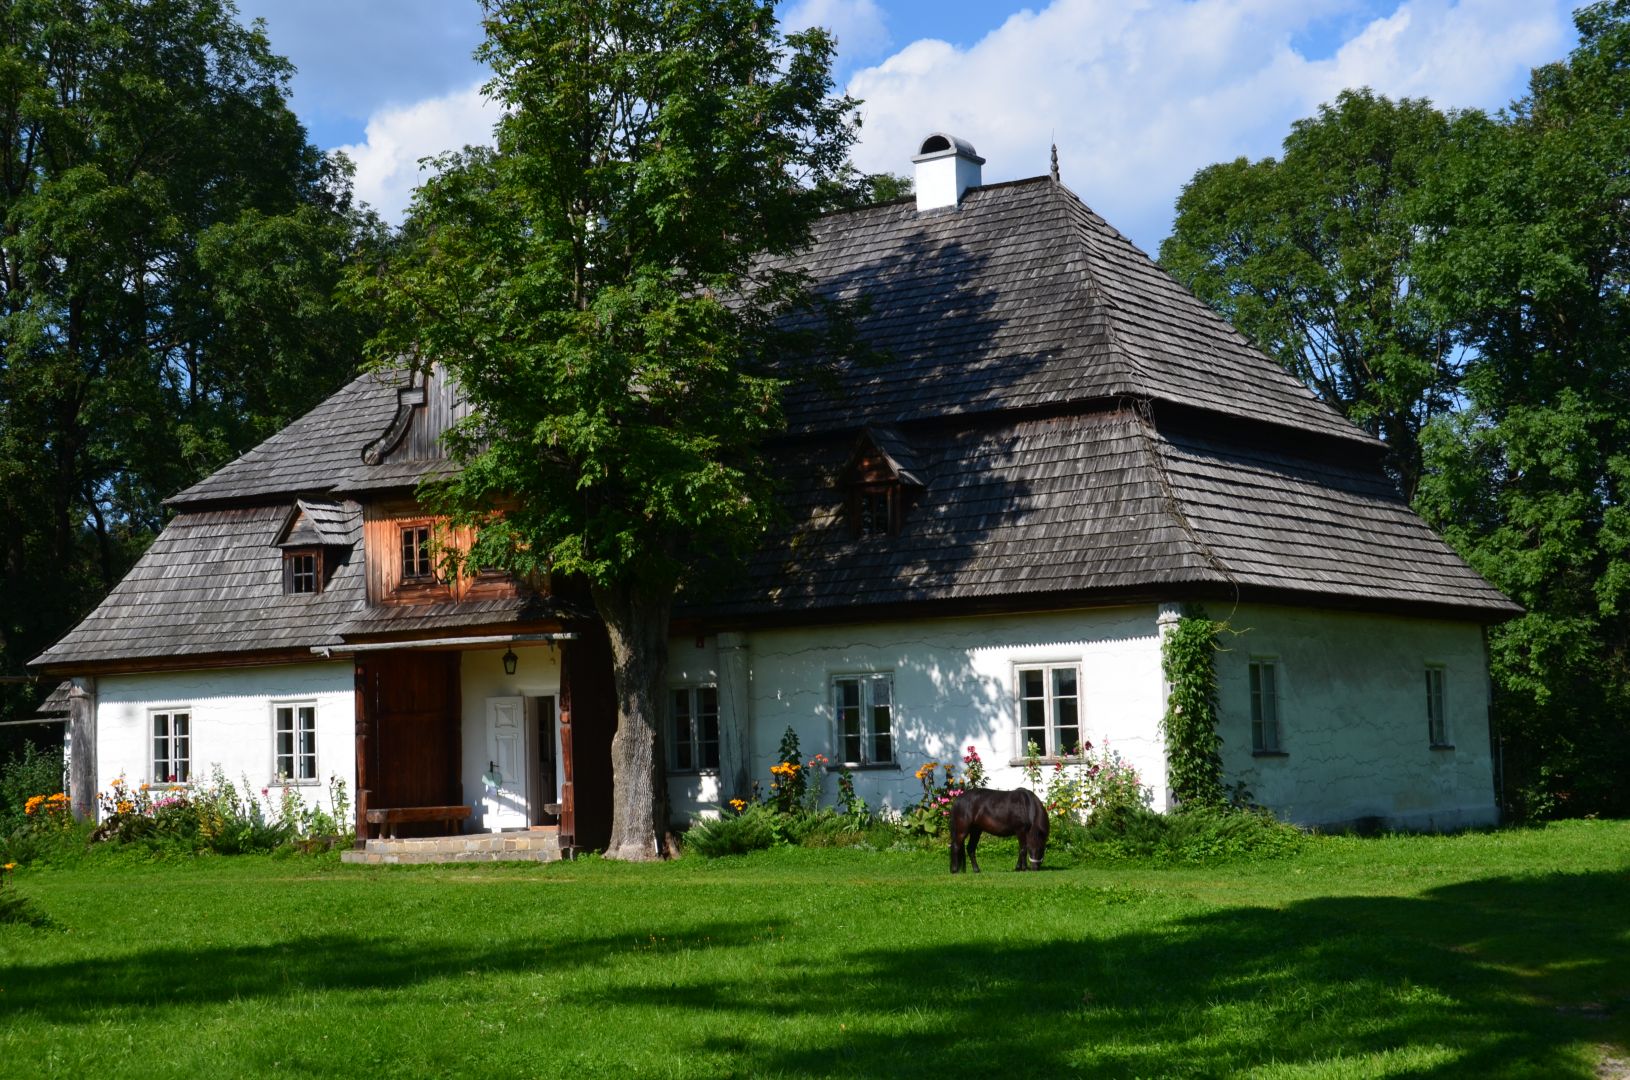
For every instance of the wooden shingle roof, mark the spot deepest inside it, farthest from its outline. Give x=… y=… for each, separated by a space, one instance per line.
x=1022 y=297
x=1068 y=423
x=1103 y=505
x=212 y=584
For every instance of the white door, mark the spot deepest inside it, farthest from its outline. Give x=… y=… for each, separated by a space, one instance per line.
x=504 y=782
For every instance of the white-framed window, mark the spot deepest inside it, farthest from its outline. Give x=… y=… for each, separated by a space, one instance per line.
x=172 y=746
x=863 y=707
x=693 y=728
x=1049 y=708
x=1265 y=706
x=294 y=742
x=1437 y=725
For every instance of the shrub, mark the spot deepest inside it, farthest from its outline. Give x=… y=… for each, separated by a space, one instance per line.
x=1195 y=835
x=27 y=775
x=755 y=828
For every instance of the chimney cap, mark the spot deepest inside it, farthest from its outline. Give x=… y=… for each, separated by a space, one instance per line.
x=941 y=145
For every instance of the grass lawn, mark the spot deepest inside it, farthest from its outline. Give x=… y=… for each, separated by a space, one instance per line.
x=1503 y=954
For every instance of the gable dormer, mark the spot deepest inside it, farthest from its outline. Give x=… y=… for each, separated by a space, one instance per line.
x=314 y=539
x=880 y=482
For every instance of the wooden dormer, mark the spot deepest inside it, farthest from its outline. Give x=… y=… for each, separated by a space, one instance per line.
x=880 y=482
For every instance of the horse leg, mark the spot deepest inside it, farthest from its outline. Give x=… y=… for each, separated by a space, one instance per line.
x=1024 y=844
x=957 y=854
x=973 y=848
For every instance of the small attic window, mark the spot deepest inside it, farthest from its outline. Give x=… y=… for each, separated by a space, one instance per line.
x=416 y=560
x=303 y=571
x=875 y=510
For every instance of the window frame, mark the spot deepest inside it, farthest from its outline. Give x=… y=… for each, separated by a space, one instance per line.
x=693 y=739
x=1050 y=750
x=422 y=554
x=292 y=777
x=1437 y=715
x=863 y=512
x=1267 y=732
x=163 y=776
x=867 y=733
x=292 y=575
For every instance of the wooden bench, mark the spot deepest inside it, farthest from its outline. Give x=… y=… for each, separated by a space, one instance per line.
x=390 y=819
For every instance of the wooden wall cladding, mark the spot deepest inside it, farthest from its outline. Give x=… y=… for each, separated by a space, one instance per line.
x=382 y=525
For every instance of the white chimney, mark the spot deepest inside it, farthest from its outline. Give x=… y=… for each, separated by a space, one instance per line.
x=946 y=167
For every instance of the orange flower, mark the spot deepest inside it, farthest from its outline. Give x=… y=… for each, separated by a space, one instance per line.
x=739 y=804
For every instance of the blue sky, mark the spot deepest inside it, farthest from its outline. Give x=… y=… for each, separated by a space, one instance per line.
x=1138 y=93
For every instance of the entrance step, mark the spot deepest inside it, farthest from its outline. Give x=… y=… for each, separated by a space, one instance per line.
x=532 y=845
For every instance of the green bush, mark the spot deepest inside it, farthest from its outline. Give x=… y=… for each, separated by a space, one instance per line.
x=754 y=829
x=25 y=775
x=1195 y=835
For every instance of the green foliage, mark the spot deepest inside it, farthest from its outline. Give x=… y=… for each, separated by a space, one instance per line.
x=214 y=816
x=1204 y=834
x=27 y=773
x=172 y=243
x=1312 y=257
x=603 y=289
x=754 y=829
x=1460 y=286
x=1530 y=480
x=1193 y=745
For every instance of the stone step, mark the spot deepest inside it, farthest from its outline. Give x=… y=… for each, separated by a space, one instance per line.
x=538 y=845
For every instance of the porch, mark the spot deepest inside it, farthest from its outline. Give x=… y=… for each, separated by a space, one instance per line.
x=471 y=750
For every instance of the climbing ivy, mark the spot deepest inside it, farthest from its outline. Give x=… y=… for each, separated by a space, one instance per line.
x=1193 y=747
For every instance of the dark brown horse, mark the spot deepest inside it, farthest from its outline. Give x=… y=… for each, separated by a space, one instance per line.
x=1000 y=813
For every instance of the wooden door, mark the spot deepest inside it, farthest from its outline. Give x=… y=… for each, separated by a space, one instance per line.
x=414 y=729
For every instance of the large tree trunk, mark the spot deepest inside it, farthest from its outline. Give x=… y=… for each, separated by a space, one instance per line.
x=637 y=623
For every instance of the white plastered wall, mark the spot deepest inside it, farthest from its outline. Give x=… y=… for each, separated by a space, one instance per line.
x=232 y=723
x=1352 y=714
x=953 y=687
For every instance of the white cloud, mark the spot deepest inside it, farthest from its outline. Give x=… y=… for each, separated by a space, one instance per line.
x=397 y=137
x=858 y=25
x=1142 y=93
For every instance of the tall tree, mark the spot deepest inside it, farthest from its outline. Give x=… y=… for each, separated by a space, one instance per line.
x=1531 y=256
x=597 y=287
x=170 y=245
x=1311 y=257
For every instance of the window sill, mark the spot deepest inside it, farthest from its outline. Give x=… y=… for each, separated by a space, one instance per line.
x=878 y=766
x=1443 y=746
x=294 y=783
x=1269 y=753
x=711 y=771
x=1021 y=762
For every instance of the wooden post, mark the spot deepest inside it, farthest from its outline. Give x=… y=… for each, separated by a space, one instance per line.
x=568 y=802
x=362 y=718
x=82 y=744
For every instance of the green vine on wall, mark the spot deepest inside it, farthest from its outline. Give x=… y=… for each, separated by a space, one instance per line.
x=1193 y=747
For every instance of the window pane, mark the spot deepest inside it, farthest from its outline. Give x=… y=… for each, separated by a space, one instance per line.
x=707 y=723
x=679 y=733
x=1066 y=725
x=848 y=693
x=1031 y=683
x=1064 y=682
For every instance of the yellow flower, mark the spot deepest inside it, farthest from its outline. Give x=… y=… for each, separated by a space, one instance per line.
x=10 y=866
x=739 y=804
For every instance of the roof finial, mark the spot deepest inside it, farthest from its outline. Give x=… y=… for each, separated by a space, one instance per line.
x=1054 y=169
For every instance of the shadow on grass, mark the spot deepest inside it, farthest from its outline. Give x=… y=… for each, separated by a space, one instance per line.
x=1499 y=977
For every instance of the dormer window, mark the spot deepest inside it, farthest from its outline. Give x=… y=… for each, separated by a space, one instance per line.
x=303 y=571
x=416 y=560
x=879 y=477
x=875 y=510
x=315 y=539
